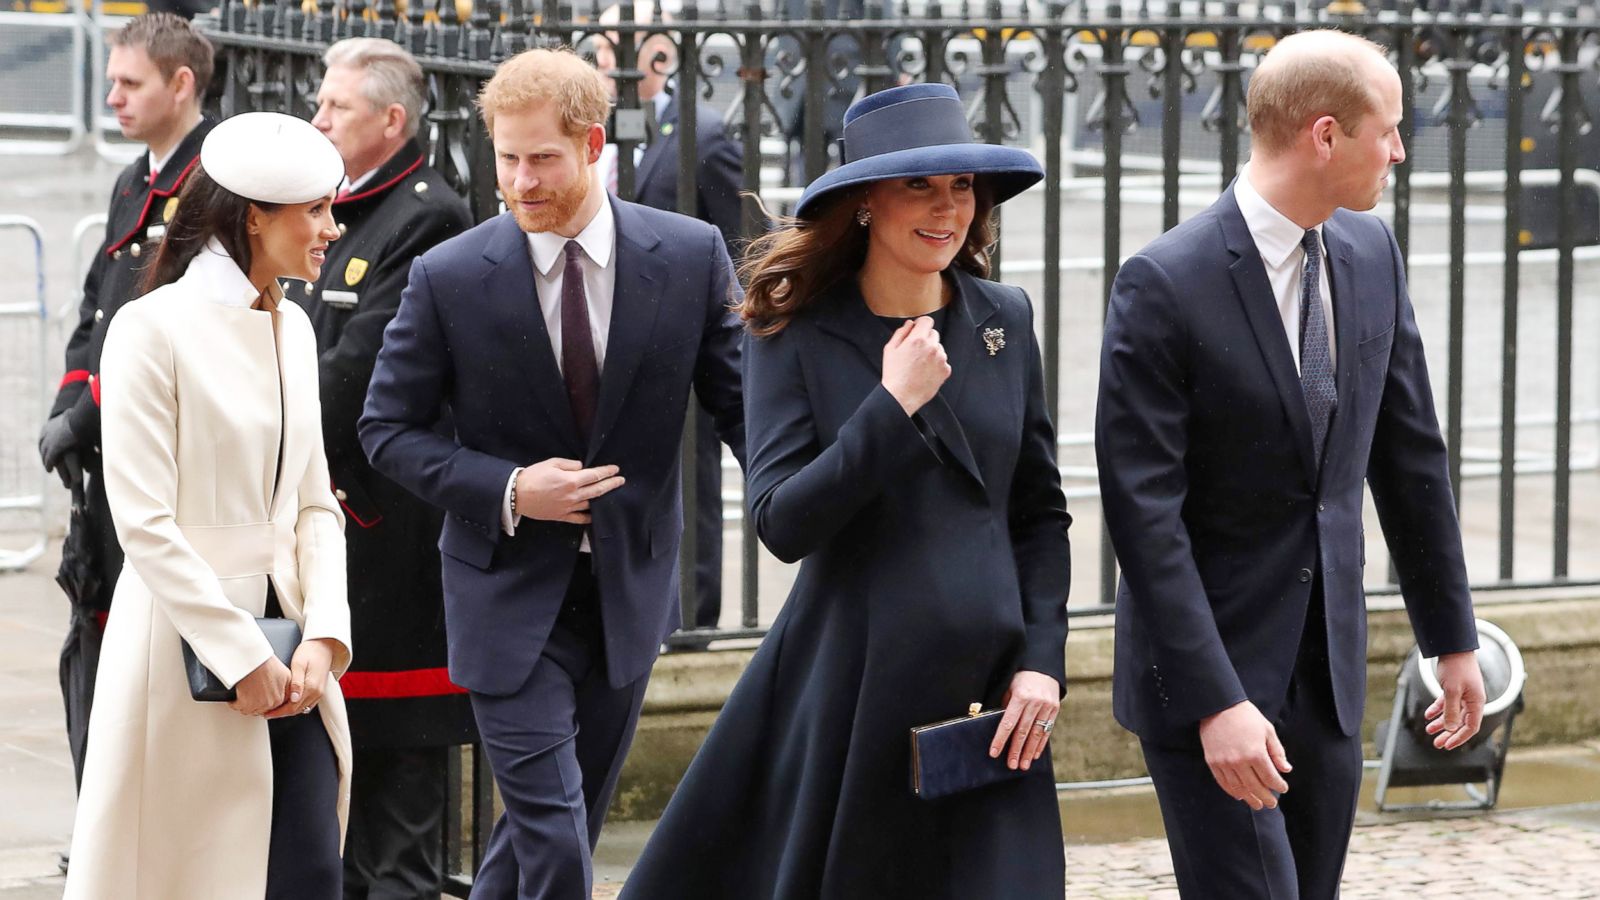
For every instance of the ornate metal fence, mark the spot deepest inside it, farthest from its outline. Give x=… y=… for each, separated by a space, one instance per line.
x=1136 y=110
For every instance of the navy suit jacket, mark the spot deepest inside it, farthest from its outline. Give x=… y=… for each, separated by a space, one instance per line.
x=719 y=172
x=1219 y=516
x=470 y=334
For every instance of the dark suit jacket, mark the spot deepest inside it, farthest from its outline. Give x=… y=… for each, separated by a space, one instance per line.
x=1219 y=517
x=719 y=171
x=469 y=333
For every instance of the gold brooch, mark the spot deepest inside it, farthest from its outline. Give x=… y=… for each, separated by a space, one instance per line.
x=994 y=339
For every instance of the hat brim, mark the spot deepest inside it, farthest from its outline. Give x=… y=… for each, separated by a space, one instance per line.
x=1007 y=170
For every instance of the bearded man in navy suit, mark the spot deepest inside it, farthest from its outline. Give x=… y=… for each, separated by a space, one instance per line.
x=564 y=336
x=1239 y=415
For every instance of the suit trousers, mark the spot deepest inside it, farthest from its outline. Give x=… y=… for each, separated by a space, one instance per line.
x=556 y=746
x=303 y=856
x=394 y=850
x=1221 y=849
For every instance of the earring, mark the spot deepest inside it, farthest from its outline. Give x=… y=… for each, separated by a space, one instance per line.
x=863 y=217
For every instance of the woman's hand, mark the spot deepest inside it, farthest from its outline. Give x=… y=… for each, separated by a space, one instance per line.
x=1032 y=699
x=914 y=364
x=308 y=677
x=262 y=689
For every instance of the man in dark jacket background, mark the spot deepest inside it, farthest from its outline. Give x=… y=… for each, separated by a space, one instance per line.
x=719 y=178
x=404 y=712
x=157 y=72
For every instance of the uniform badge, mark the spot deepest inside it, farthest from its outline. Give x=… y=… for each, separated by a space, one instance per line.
x=355 y=271
x=171 y=209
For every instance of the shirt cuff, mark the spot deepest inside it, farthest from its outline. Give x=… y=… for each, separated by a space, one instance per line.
x=508 y=522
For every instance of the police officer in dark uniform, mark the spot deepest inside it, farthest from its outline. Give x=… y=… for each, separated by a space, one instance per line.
x=404 y=712
x=158 y=72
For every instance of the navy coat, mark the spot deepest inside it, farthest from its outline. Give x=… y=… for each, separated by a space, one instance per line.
x=469 y=334
x=929 y=578
x=1220 y=518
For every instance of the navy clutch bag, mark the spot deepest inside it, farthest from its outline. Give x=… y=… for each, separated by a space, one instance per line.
x=282 y=634
x=953 y=756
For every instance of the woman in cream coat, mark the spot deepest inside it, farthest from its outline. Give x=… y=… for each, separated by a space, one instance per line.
x=220 y=495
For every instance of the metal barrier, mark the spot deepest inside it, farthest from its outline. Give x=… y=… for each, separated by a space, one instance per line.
x=22 y=368
x=66 y=315
x=42 y=69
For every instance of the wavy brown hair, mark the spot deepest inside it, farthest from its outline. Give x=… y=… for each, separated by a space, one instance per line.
x=788 y=268
x=205 y=210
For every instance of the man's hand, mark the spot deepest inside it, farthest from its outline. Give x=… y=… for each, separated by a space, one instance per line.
x=559 y=490
x=1245 y=756
x=1454 y=718
x=58 y=449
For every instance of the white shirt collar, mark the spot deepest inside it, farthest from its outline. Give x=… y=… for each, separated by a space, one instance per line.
x=222 y=281
x=1276 y=235
x=597 y=239
x=156 y=165
x=352 y=186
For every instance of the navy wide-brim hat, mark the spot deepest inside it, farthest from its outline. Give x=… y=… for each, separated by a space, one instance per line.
x=917 y=129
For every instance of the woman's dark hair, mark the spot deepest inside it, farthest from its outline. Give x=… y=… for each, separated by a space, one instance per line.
x=205 y=210
x=786 y=269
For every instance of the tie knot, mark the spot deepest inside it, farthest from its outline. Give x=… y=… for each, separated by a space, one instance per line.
x=1310 y=244
x=573 y=249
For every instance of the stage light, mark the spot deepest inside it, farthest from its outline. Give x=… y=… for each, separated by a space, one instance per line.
x=1409 y=757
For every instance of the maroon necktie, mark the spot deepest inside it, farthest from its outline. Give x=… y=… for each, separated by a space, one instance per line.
x=578 y=366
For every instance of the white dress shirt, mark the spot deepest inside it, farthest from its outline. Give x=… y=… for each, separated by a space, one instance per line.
x=156 y=165
x=1278 y=241
x=548 y=250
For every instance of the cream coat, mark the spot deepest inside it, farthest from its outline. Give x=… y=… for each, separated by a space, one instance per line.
x=177 y=795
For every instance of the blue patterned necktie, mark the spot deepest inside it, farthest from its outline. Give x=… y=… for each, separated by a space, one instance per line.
x=1316 y=361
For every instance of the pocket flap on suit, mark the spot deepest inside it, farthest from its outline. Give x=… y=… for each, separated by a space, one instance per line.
x=459 y=541
x=1376 y=344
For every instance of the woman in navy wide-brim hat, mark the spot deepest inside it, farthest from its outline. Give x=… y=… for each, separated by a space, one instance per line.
x=900 y=447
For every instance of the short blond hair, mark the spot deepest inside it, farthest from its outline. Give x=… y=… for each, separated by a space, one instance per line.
x=1296 y=85
x=538 y=77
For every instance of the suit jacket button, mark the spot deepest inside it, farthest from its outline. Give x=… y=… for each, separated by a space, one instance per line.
x=1305 y=576
x=99 y=314
x=1322 y=507
x=339 y=494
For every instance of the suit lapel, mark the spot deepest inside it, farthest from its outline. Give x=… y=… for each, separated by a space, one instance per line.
x=510 y=283
x=1261 y=308
x=848 y=318
x=1342 y=284
x=656 y=149
x=635 y=302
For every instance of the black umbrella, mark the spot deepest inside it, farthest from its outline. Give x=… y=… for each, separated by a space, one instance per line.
x=79 y=576
x=79 y=572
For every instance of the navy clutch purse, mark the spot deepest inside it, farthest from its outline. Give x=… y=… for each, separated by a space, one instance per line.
x=953 y=756
x=282 y=634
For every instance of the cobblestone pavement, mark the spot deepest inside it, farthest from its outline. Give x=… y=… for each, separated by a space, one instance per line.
x=1551 y=853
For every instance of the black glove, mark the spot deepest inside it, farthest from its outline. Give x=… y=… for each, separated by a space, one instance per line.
x=57 y=444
